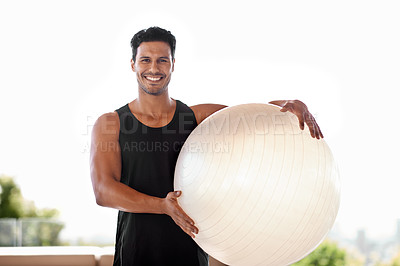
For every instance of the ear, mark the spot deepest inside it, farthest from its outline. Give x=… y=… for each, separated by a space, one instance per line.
x=133 y=65
x=173 y=65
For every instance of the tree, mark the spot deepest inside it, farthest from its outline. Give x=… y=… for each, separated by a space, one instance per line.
x=327 y=254
x=36 y=231
x=11 y=201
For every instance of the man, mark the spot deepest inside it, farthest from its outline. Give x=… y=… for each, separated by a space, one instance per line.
x=140 y=142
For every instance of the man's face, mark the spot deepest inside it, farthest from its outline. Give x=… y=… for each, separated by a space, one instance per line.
x=153 y=67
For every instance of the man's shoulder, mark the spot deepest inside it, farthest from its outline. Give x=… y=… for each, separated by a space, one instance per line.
x=108 y=122
x=108 y=116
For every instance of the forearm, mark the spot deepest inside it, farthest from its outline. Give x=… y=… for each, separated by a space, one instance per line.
x=117 y=195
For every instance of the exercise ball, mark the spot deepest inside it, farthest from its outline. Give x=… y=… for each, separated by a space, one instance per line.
x=261 y=190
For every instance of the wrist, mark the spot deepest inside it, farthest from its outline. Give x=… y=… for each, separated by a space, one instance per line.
x=161 y=203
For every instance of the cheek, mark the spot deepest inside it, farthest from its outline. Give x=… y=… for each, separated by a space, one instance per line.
x=169 y=70
x=138 y=76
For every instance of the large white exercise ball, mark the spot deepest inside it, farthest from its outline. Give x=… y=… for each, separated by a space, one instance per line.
x=260 y=190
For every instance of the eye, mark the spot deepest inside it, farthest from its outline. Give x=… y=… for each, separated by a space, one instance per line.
x=146 y=60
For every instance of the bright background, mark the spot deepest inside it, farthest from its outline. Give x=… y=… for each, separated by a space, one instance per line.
x=64 y=63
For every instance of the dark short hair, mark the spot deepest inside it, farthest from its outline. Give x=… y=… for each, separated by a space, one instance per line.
x=153 y=34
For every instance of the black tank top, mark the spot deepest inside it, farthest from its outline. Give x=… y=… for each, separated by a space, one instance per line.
x=148 y=158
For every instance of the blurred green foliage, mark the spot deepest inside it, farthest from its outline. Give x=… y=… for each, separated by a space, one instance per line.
x=36 y=226
x=11 y=201
x=396 y=260
x=326 y=254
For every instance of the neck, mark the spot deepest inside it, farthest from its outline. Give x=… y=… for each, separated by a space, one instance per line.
x=150 y=104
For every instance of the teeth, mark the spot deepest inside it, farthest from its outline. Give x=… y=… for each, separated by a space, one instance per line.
x=153 y=79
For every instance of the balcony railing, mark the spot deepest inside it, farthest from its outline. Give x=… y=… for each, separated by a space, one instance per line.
x=30 y=232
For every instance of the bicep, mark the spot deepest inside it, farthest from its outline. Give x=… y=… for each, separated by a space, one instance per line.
x=105 y=155
x=202 y=111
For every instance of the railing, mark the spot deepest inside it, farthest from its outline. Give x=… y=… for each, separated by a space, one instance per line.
x=29 y=232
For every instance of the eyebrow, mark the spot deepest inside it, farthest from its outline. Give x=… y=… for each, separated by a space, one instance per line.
x=163 y=57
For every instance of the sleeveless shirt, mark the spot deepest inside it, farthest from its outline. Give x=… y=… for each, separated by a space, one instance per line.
x=148 y=157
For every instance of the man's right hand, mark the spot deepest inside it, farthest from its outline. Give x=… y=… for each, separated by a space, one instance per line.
x=172 y=208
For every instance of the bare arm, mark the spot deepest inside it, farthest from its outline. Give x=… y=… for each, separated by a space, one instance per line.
x=105 y=170
x=301 y=111
x=202 y=111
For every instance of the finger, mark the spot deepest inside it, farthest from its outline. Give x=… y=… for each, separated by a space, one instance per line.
x=301 y=121
x=184 y=218
x=181 y=215
x=319 y=130
x=190 y=233
x=187 y=220
x=288 y=107
x=187 y=232
x=170 y=195
x=193 y=229
x=310 y=125
x=320 y=133
x=183 y=223
x=284 y=109
x=174 y=195
x=301 y=124
x=312 y=129
x=317 y=133
x=280 y=103
x=187 y=228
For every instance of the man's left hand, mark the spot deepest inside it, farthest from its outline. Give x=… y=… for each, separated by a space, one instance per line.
x=301 y=111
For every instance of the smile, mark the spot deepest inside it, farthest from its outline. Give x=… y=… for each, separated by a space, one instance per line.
x=153 y=78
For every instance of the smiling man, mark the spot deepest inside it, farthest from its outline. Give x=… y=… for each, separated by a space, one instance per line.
x=135 y=173
x=153 y=67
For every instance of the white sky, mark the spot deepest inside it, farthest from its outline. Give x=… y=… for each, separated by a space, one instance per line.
x=64 y=63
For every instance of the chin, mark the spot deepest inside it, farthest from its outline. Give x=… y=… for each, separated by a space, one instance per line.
x=154 y=92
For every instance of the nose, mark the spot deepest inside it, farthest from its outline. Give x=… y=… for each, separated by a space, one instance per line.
x=154 y=67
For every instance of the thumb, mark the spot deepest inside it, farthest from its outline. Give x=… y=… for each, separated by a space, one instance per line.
x=280 y=103
x=177 y=193
x=286 y=108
